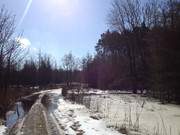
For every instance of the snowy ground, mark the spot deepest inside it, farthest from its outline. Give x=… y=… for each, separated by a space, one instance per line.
x=75 y=120
x=2 y=129
x=136 y=115
x=105 y=114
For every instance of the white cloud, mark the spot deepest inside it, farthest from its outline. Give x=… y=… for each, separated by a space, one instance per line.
x=24 y=42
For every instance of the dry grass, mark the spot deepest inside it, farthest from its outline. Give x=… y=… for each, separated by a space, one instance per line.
x=127 y=120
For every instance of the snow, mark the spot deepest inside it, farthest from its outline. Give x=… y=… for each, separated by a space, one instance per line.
x=93 y=126
x=136 y=114
x=2 y=129
x=56 y=91
x=111 y=113
x=144 y=115
x=74 y=119
x=88 y=91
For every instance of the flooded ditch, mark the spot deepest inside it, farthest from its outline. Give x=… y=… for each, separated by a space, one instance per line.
x=20 y=109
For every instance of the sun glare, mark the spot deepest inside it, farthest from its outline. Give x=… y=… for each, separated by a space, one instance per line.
x=66 y=7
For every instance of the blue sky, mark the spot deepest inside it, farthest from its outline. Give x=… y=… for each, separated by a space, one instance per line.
x=60 y=26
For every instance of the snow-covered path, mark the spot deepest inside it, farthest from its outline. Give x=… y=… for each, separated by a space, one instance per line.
x=55 y=116
x=75 y=120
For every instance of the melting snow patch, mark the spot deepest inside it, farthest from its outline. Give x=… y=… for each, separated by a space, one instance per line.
x=75 y=119
x=2 y=130
x=93 y=126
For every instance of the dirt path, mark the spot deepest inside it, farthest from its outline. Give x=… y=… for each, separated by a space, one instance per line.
x=60 y=118
x=35 y=122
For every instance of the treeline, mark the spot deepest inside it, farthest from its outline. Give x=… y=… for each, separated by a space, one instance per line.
x=141 y=51
x=44 y=71
x=40 y=72
x=21 y=75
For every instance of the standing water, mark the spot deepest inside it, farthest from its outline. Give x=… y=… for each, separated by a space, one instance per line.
x=14 y=115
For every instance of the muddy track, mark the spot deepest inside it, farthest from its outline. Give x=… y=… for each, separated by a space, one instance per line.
x=38 y=122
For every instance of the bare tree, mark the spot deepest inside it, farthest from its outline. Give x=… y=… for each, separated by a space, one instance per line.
x=6 y=31
x=11 y=52
x=125 y=15
x=151 y=13
x=69 y=65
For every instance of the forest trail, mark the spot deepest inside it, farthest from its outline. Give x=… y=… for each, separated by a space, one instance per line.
x=36 y=122
x=61 y=117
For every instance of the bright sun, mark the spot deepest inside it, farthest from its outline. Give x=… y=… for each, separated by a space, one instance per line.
x=66 y=7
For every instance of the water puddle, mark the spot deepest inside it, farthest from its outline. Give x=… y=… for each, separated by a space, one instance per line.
x=15 y=114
